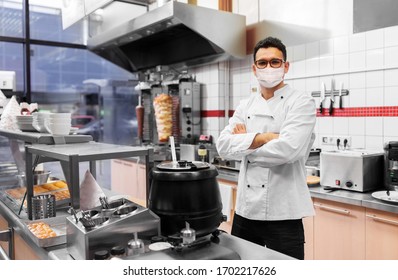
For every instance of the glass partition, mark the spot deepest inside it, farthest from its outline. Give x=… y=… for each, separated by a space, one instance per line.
x=11 y=18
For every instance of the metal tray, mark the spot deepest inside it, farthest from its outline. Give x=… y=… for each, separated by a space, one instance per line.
x=57 y=224
x=18 y=200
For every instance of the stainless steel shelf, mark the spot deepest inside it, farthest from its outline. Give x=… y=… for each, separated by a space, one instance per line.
x=70 y=155
x=44 y=138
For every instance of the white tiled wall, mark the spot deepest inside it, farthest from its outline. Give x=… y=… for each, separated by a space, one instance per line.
x=366 y=63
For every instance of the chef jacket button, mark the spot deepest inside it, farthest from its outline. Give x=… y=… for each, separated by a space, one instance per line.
x=248 y=117
x=248 y=161
x=248 y=186
x=262 y=186
x=281 y=97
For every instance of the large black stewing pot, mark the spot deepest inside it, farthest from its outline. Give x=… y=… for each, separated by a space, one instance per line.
x=186 y=192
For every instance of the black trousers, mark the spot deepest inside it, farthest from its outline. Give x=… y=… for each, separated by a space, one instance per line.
x=285 y=236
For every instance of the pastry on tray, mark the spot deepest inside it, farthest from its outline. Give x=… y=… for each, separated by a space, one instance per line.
x=41 y=230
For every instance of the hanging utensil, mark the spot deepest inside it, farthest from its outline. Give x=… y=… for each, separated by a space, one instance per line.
x=104 y=202
x=23 y=201
x=73 y=211
x=173 y=151
x=331 y=98
x=139 y=111
x=87 y=223
x=341 y=96
x=323 y=95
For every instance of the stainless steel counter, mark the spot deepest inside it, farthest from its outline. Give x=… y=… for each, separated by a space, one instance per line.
x=343 y=196
x=246 y=250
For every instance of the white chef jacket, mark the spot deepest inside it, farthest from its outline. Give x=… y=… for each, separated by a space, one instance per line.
x=272 y=179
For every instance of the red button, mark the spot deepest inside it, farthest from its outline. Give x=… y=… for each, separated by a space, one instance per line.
x=337 y=182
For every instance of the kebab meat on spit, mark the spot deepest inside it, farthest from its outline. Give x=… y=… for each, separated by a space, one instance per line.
x=163 y=105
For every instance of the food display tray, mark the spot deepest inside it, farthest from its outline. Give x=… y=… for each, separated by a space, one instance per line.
x=18 y=199
x=57 y=224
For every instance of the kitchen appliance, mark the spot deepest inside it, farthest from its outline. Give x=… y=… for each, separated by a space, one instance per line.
x=175 y=34
x=190 y=111
x=219 y=162
x=391 y=165
x=186 y=120
x=186 y=192
x=355 y=170
x=103 y=228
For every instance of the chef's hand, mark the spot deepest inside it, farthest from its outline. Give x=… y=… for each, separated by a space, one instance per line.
x=263 y=138
x=239 y=128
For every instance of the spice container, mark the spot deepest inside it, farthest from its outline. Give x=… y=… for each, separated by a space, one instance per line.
x=188 y=234
x=118 y=252
x=101 y=255
x=135 y=246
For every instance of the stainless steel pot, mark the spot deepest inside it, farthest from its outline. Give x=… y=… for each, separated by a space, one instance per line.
x=186 y=193
x=39 y=178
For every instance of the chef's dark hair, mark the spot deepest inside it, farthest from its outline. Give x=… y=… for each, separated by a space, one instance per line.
x=270 y=42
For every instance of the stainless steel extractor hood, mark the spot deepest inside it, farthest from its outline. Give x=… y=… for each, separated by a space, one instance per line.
x=175 y=34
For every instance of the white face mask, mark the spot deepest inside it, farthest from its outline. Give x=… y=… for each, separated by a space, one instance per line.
x=270 y=77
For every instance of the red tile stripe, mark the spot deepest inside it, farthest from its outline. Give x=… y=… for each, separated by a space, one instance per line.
x=382 y=111
x=212 y=113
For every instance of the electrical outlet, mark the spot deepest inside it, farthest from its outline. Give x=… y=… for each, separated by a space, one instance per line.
x=340 y=142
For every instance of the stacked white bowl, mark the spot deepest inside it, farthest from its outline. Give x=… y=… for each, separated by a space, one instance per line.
x=25 y=122
x=59 y=123
x=39 y=119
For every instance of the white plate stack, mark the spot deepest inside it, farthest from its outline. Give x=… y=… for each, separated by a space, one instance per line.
x=59 y=123
x=25 y=122
x=39 y=120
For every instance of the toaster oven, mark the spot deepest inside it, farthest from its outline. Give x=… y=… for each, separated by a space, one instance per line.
x=355 y=170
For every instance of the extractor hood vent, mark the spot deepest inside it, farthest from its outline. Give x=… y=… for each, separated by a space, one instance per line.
x=174 y=34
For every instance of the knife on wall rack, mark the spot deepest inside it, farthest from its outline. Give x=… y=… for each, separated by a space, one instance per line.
x=323 y=96
x=331 y=98
x=341 y=96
